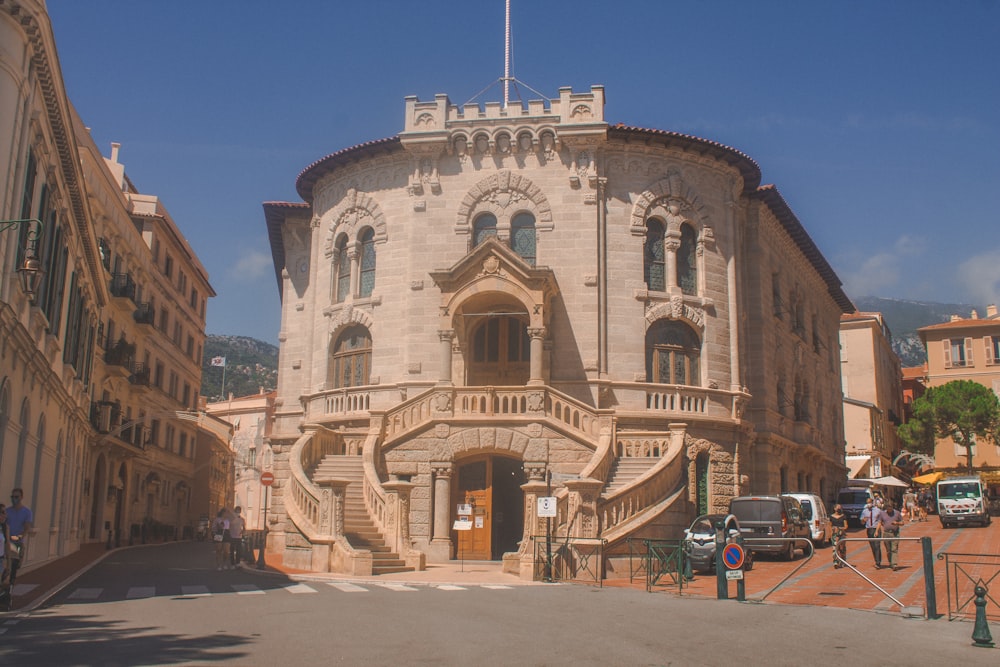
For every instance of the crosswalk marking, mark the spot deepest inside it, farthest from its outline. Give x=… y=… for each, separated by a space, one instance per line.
x=497 y=587
x=299 y=588
x=397 y=587
x=21 y=589
x=195 y=591
x=86 y=594
x=450 y=587
x=247 y=589
x=348 y=588
x=139 y=592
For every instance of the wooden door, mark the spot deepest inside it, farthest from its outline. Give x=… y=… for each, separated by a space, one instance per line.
x=475 y=493
x=500 y=352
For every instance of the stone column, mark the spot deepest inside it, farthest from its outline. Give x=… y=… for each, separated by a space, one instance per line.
x=445 y=336
x=537 y=335
x=534 y=489
x=583 y=495
x=441 y=536
x=353 y=251
x=671 y=244
x=397 y=522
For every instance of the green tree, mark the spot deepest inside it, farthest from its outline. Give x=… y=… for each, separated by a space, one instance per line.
x=961 y=410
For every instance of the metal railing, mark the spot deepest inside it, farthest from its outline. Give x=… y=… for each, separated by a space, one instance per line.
x=963 y=573
x=930 y=610
x=576 y=559
x=666 y=558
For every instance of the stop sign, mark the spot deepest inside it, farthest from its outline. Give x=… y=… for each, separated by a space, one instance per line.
x=267 y=478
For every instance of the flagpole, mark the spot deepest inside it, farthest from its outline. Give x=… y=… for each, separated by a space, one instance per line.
x=224 y=361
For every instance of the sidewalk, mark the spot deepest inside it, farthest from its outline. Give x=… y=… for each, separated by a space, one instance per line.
x=36 y=585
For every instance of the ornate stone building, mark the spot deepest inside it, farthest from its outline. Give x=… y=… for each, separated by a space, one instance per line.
x=501 y=299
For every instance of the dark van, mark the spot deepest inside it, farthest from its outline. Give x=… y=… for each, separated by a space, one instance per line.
x=763 y=517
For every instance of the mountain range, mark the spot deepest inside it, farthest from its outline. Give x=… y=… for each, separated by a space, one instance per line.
x=252 y=365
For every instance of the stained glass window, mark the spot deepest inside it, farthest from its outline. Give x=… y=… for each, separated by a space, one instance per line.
x=367 y=263
x=652 y=261
x=350 y=362
x=687 y=261
x=673 y=353
x=522 y=236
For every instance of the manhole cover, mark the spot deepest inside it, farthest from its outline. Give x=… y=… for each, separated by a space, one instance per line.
x=829 y=593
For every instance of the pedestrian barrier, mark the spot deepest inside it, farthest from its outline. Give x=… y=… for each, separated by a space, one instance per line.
x=666 y=558
x=575 y=559
x=963 y=574
x=930 y=611
x=809 y=550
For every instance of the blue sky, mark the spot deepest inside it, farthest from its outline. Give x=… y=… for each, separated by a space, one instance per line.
x=878 y=121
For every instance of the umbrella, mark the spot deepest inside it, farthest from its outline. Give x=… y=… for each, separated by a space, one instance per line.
x=929 y=478
x=889 y=480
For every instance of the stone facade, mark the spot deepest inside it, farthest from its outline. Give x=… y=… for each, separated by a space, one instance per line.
x=530 y=284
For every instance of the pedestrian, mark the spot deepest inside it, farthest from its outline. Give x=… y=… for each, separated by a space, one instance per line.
x=220 y=537
x=910 y=504
x=838 y=522
x=873 y=528
x=890 y=520
x=879 y=501
x=236 y=526
x=20 y=523
x=926 y=501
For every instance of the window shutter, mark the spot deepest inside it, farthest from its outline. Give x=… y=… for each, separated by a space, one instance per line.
x=968 y=352
x=988 y=344
x=946 y=346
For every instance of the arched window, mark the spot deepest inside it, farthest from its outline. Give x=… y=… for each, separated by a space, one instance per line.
x=687 y=261
x=367 y=263
x=343 y=286
x=351 y=358
x=652 y=257
x=522 y=236
x=484 y=227
x=22 y=443
x=673 y=353
x=4 y=412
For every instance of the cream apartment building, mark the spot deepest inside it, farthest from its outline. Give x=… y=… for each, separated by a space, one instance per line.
x=501 y=304
x=965 y=349
x=873 y=394
x=100 y=364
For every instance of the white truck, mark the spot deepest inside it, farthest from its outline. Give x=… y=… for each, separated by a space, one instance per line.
x=962 y=500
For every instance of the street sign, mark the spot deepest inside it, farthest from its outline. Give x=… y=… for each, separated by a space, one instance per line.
x=546 y=507
x=462 y=524
x=732 y=556
x=734 y=575
x=267 y=478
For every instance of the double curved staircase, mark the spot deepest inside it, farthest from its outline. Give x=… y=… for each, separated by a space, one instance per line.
x=343 y=503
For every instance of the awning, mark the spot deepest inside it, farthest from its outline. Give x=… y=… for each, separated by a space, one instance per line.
x=856 y=463
x=929 y=478
x=889 y=480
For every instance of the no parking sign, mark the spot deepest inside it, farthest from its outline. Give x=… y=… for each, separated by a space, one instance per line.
x=733 y=556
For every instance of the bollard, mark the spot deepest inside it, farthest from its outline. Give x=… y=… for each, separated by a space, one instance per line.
x=981 y=632
x=741 y=587
x=721 y=583
x=260 y=551
x=929 y=590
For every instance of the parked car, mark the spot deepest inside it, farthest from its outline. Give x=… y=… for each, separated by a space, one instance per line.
x=814 y=512
x=763 y=517
x=699 y=541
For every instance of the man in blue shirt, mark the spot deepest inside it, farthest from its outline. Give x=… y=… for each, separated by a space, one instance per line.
x=873 y=527
x=19 y=524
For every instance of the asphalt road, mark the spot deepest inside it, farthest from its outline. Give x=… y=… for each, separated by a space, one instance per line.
x=167 y=605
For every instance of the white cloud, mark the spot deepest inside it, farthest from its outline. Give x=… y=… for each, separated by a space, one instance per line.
x=251 y=265
x=980 y=276
x=882 y=273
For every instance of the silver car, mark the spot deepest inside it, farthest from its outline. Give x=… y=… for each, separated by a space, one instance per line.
x=699 y=541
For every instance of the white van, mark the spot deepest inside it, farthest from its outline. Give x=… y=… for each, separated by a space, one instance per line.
x=814 y=511
x=962 y=500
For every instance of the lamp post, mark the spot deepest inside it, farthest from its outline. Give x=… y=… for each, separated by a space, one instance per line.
x=29 y=272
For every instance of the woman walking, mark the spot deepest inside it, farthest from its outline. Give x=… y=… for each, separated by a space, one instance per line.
x=838 y=521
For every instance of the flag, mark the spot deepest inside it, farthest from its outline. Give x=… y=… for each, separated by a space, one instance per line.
x=218 y=361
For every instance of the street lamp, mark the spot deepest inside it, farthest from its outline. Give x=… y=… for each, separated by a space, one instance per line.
x=30 y=270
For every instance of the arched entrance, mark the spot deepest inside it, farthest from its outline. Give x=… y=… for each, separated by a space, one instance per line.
x=99 y=484
x=489 y=489
x=500 y=351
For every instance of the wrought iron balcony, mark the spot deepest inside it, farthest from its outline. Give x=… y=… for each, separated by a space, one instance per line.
x=144 y=314
x=123 y=286
x=140 y=374
x=120 y=354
